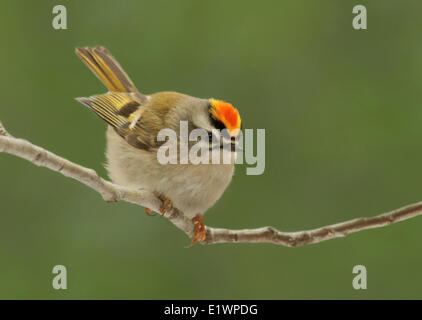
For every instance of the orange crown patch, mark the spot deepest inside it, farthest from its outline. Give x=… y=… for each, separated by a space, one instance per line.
x=227 y=114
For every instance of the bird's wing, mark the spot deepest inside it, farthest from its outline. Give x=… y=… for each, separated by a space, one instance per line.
x=127 y=116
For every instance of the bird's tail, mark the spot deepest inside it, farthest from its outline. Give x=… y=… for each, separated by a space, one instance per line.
x=106 y=68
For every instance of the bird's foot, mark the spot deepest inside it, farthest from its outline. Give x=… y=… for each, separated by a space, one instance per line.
x=167 y=203
x=148 y=212
x=199 y=229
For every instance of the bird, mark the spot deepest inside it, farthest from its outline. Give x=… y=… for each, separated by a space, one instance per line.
x=135 y=121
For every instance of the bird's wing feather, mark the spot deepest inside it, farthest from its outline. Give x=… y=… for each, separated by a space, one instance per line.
x=125 y=115
x=108 y=70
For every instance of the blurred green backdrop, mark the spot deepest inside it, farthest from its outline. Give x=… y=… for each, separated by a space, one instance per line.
x=342 y=111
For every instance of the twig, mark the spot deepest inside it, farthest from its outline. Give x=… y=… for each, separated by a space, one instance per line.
x=112 y=192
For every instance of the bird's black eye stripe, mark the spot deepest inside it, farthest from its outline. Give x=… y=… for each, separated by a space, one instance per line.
x=217 y=123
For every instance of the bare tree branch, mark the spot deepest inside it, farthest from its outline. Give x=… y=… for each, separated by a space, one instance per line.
x=112 y=192
x=109 y=191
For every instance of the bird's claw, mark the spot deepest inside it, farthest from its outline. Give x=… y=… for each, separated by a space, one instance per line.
x=148 y=212
x=167 y=203
x=200 y=233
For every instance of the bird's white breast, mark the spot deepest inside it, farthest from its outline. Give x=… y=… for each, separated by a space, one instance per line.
x=192 y=188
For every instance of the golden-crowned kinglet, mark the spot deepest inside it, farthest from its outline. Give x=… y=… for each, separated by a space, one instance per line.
x=135 y=120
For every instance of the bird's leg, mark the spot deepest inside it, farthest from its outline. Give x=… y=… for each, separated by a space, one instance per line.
x=199 y=229
x=167 y=203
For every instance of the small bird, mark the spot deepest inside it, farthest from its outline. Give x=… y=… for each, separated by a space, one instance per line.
x=134 y=122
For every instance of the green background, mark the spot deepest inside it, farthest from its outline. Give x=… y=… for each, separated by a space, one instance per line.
x=342 y=112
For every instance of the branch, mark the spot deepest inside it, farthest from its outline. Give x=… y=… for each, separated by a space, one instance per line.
x=112 y=193
x=109 y=191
